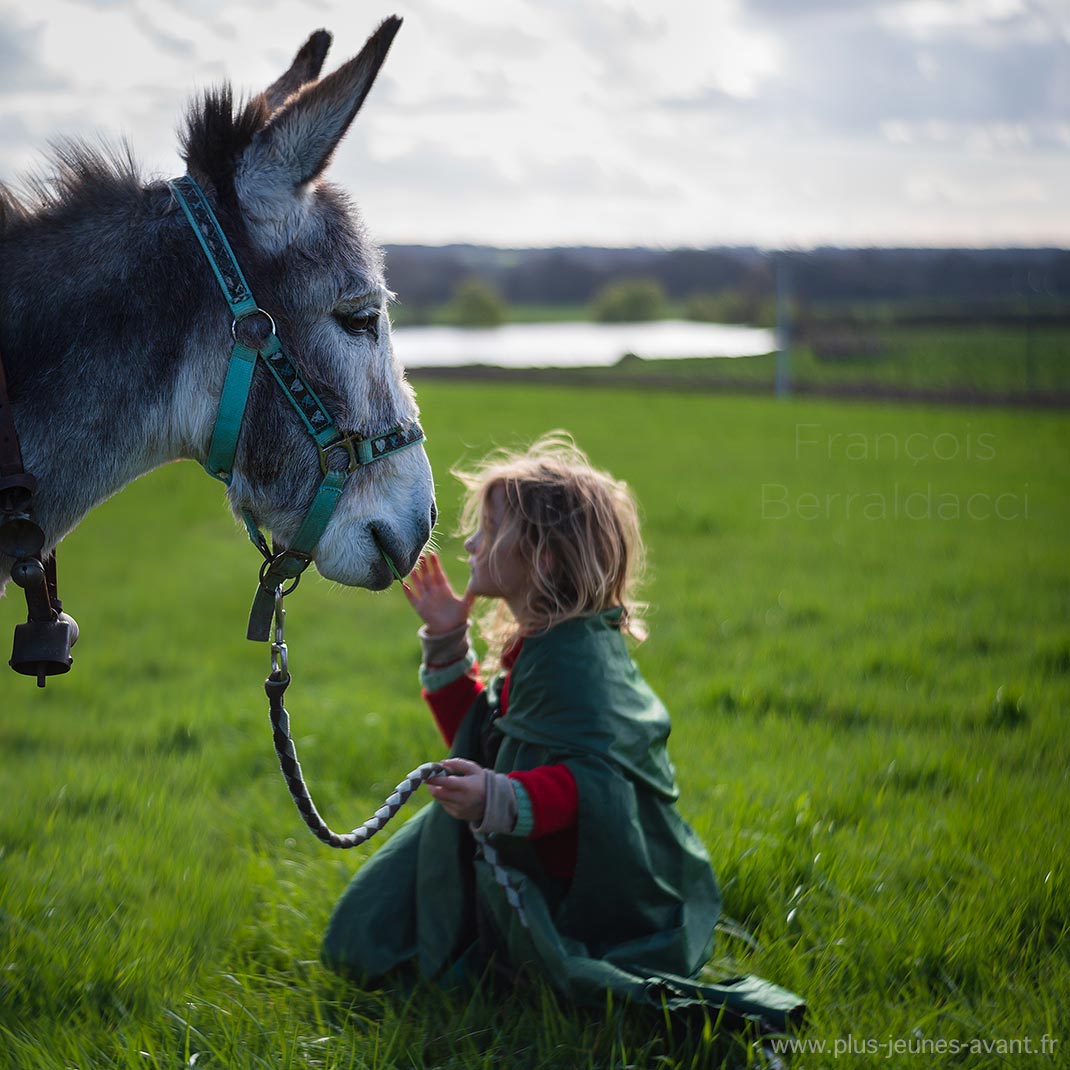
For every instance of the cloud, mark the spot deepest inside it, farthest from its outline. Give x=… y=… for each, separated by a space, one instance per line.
x=21 y=65
x=162 y=38
x=546 y=121
x=941 y=188
x=486 y=90
x=451 y=175
x=14 y=131
x=705 y=99
x=851 y=74
x=781 y=9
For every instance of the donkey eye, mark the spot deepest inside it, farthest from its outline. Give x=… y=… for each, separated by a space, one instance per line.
x=358 y=323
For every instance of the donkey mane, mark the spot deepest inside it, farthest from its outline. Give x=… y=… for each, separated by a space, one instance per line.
x=81 y=176
x=218 y=130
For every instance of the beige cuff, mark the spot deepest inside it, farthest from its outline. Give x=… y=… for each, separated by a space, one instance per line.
x=444 y=648
x=499 y=805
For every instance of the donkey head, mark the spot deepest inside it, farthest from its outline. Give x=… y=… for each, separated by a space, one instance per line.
x=310 y=264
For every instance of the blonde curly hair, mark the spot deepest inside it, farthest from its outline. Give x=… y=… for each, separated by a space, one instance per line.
x=574 y=525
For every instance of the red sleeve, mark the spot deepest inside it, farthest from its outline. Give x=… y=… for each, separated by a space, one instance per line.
x=554 y=797
x=450 y=703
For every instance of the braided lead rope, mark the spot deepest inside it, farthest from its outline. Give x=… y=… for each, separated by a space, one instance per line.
x=501 y=875
x=275 y=686
x=295 y=781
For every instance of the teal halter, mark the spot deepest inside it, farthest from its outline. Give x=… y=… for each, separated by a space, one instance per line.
x=278 y=568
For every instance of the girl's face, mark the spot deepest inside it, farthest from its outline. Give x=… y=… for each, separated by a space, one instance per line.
x=506 y=576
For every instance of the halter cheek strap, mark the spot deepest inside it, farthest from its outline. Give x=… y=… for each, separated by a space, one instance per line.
x=278 y=568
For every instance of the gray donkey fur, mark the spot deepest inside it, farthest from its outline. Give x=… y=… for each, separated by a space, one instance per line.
x=116 y=338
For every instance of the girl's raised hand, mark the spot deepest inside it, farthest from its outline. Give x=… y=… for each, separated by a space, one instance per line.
x=435 y=601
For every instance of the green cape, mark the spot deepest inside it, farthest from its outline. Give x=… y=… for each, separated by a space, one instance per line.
x=638 y=917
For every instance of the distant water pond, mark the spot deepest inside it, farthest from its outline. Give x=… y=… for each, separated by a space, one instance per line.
x=557 y=345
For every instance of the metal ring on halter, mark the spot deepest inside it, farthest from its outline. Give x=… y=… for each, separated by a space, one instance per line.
x=242 y=319
x=269 y=561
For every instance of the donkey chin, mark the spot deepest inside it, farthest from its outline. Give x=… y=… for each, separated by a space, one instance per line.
x=354 y=550
x=359 y=562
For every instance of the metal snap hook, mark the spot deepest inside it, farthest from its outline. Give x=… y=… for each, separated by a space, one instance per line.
x=280 y=662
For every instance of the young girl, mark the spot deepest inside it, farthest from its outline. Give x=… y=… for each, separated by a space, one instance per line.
x=559 y=758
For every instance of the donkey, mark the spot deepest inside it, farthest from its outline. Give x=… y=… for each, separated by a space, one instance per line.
x=115 y=338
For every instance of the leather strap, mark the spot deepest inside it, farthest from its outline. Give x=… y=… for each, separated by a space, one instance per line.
x=232 y=402
x=12 y=474
x=216 y=248
x=16 y=494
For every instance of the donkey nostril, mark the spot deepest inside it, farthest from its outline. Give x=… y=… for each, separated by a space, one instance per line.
x=434 y=514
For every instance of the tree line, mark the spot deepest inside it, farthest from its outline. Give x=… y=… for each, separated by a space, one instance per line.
x=477 y=284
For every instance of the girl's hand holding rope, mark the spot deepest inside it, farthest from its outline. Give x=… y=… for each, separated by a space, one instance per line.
x=463 y=794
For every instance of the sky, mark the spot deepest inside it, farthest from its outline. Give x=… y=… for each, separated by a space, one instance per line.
x=531 y=123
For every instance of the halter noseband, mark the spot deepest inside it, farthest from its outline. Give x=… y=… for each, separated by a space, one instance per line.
x=316 y=420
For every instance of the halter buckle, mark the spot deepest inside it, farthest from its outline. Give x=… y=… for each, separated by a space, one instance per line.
x=345 y=442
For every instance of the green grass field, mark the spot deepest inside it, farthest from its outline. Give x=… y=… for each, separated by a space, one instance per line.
x=860 y=619
x=961 y=360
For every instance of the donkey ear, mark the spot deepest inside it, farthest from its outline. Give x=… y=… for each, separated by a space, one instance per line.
x=304 y=69
x=297 y=143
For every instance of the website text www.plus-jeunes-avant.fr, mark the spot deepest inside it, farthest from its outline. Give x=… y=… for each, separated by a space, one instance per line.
x=851 y=1046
